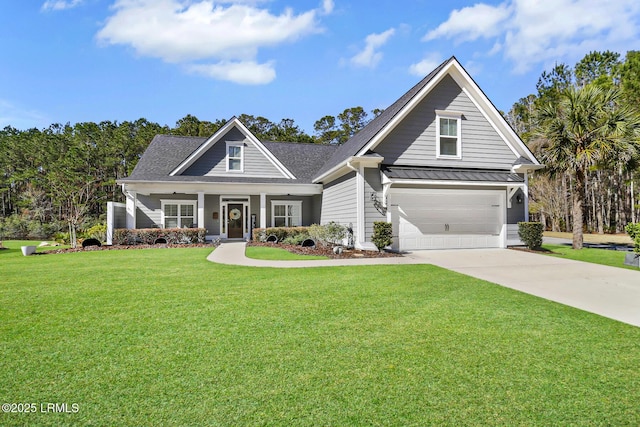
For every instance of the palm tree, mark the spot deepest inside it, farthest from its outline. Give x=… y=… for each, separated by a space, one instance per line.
x=585 y=129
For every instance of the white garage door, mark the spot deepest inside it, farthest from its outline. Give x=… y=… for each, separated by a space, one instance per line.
x=447 y=219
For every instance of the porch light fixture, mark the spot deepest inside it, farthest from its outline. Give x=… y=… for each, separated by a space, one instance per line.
x=519 y=199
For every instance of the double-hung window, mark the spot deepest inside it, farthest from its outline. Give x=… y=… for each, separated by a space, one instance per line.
x=235 y=156
x=286 y=213
x=178 y=214
x=448 y=135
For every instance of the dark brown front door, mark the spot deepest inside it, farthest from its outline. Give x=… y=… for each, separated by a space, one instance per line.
x=235 y=221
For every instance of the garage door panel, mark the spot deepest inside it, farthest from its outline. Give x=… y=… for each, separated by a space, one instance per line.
x=438 y=219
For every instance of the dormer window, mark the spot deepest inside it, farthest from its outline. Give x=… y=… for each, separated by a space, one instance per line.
x=448 y=135
x=235 y=156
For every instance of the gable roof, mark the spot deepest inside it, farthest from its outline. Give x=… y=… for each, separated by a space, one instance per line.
x=375 y=131
x=166 y=152
x=233 y=122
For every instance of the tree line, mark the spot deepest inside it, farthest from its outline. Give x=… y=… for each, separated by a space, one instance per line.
x=58 y=179
x=584 y=125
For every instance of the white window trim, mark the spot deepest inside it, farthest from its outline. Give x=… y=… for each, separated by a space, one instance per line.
x=456 y=115
x=275 y=203
x=194 y=203
x=226 y=157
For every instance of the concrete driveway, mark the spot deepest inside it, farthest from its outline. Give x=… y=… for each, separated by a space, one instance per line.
x=607 y=291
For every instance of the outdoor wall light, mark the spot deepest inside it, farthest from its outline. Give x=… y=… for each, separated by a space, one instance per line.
x=519 y=199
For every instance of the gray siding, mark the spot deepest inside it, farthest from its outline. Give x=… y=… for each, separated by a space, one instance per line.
x=211 y=205
x=310 y=208
x=413 y=142
x=212 y=162
x=372 y=184
x=119 y=215
x=515 y=214
x=339 y=201
x=149 y=209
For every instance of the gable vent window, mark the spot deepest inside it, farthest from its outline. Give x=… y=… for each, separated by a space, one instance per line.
x=448 y=134
x=235 y=154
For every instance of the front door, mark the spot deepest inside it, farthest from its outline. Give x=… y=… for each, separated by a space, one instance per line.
x=235 y=221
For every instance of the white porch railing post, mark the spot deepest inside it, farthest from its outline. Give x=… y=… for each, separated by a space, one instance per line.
x=201 y=209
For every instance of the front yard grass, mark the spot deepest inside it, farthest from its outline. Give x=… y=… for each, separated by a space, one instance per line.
x=596 y=256
x=164 y=337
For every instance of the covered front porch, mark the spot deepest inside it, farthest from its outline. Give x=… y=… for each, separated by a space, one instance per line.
x=227 y=211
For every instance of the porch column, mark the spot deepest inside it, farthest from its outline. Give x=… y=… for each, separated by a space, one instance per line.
x=131 y=209
x=360 y=238
x=263 y=210
x=200 y=209
x=526 y=196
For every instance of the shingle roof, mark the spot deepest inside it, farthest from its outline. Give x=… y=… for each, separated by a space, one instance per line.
x=360 y=139
x=442 y=174
x=166 y=152
x=163 y=155
x=522 y=161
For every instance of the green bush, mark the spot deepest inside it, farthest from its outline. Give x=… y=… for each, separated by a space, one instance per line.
x=531 y=234
x=148 y=236
x=633 y=230
x=296 y=239
x=382 y=234
x=17 y=227
x=329 y=234
x=281 y=233
x=98 y=231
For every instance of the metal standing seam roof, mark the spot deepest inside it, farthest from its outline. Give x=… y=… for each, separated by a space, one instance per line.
x=440 y=174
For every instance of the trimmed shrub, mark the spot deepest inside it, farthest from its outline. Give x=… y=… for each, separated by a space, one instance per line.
x=282 y=233
x=382 y=234
x=633 y=230
x=148 y=236
x=531 y=234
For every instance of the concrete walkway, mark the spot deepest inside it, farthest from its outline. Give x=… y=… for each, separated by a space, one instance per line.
x=608 y=291
x=232 y=253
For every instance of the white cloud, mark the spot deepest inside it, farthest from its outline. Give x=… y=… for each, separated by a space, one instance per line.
x=229 y=33
x=327 y=6
x=471 y=23
x=60 y=4
x=530 y=32
x=245 y=72
x=369 y=56
x=427 y=65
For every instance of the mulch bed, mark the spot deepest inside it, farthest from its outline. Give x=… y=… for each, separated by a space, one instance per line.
x=327 y=251
x=121 y=247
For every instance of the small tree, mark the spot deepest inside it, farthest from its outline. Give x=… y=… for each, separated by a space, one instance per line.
x=382 y=234
x=633 y=230
x=331 y=233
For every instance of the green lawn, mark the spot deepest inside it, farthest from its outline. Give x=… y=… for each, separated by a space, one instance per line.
x=596 y=256
x=163 y=337
x=266 y=253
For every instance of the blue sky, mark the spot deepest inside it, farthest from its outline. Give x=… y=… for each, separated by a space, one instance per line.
x=94 y=60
